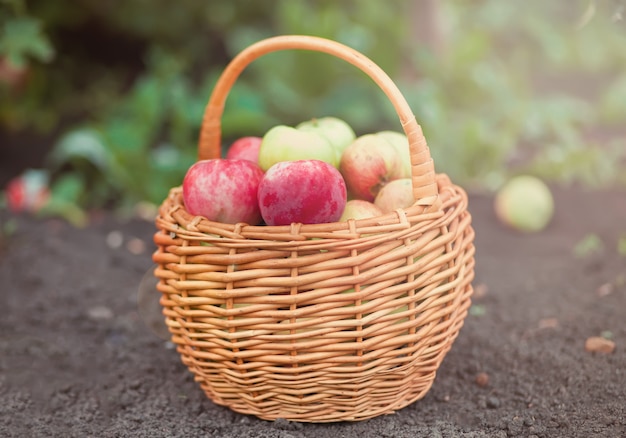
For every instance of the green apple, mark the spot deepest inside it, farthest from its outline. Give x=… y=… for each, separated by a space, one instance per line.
x=335 y=130
x=401 y=144
x=285 y=143
x=394 y=195
x=525 y=203
x=359 y=209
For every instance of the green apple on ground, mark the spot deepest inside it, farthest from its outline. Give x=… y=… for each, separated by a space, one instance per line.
x=359 y=209
x=524 y=203
x=369 y=163
x=401 y=143
x=394 y=195
x=223 y=190
x=285 y=143
x=245 y=148
x=302 y=191
x=335 y=130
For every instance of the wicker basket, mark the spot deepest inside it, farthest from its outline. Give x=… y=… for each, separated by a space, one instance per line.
x=317 y=323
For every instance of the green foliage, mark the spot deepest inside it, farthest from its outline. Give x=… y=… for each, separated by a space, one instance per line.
x=495 y=98
x=589 y=245
x=22 y=37
x=126 y=155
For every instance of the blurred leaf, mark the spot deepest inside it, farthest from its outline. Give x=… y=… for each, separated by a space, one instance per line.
x=82 y=143
x=69 y=188
x=613 y=103
x=621 y=246
x=590 y=244
x=23 y=37
x=478 y=310
x=65 y=209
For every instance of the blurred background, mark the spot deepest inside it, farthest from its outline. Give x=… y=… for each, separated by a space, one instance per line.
x=105 y=99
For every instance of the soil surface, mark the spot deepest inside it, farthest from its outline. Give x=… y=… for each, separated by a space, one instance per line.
x=79 y=358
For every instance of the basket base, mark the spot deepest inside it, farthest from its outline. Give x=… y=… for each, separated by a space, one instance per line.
x=322 y=412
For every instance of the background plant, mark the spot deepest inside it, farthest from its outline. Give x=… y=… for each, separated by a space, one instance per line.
x=498 y=87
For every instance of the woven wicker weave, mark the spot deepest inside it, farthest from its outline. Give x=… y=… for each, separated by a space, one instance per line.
x=317 y=323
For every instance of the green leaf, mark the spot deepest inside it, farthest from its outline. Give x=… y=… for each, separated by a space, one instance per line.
x=69 y=187
x=588 y=245
x=82 y=143
x=24 y=37
x=478 y=310
x=621 y=246
x=65 y=209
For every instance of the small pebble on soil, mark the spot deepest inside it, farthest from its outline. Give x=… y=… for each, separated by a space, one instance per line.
x=482 y=379
x=598 y=344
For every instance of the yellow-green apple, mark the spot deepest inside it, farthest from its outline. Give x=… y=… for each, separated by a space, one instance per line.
x=302 y=191
x=524 y=203
x=285 y=143
x=369 y=163
x=401 y=143
x=359 y=209
x=245 y=148
x=335 y=130
x=223 y=190
x=395 y=194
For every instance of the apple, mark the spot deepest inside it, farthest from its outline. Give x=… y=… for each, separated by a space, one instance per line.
x=28 y=191
x=369 y=163
x=395 y=194
x=524 y=203
x=359 y=209
x=245 y=148
x=13 y=75
x=335 y=130
x=401 y=143
x=302 y=191
x=223 y=190
x=285 y=143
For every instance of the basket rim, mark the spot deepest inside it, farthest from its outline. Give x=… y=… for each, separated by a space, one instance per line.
x=172 y=214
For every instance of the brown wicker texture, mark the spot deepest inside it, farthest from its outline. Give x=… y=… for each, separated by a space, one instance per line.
x=317 y=323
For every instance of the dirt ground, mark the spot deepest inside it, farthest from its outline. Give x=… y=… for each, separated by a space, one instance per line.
x=77 y=359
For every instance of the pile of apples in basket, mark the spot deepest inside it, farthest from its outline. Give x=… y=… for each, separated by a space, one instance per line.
x=315 y=172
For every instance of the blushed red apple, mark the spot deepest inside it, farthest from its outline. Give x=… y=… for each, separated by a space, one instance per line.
x=223 y=190
x=369 y=163
x=401 y=143
x=395 y=194
x=302 y=191
x=28 y=191
x=245 y=148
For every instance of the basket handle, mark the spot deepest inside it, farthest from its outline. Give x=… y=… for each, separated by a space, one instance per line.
x=425 y=191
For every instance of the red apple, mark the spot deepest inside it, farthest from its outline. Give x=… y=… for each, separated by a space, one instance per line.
x=359 y=209
x=368 y=164
x=223 y=190
x=28 y=191
x=395 y=194
x=245 y=148
x=302 y=191
x=14 y=76
x=401 y=143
